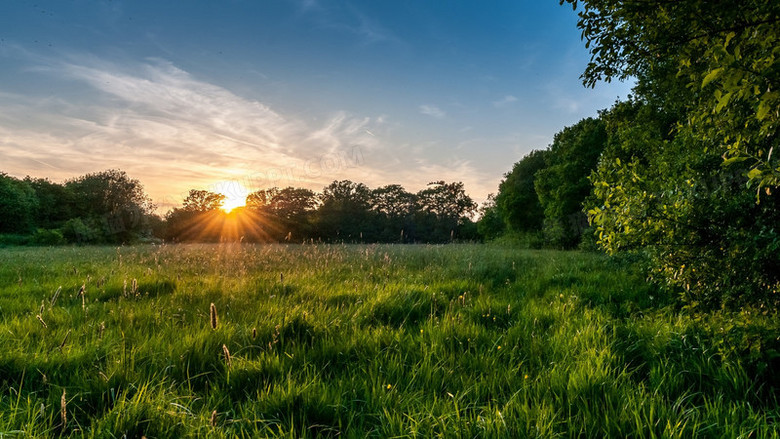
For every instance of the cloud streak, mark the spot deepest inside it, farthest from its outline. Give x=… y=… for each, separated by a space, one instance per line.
x=175 y=132
x=159 y=120
x=505 y=101
x=433 y=111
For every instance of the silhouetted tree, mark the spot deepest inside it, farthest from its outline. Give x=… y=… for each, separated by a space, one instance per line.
x=442 y=209
x=199 y=218
x=394 y=210
x=345 y=212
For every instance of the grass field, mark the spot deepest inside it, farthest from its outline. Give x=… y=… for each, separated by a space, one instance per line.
x=367 y=341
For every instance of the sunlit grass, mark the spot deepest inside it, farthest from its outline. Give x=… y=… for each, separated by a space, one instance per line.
x=377 y=341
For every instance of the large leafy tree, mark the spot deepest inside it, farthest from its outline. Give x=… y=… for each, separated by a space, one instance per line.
x=726 y=52
x=288 y=213
x=491 y=224
x=563 y=184
x=345 y=212
x=689 y=175
x=517 y=202
x=54 y=203
x=18 y=205
x=203 y=201
x=394 y=209
x=199 y=218
x=444 y=209
x=113 y=202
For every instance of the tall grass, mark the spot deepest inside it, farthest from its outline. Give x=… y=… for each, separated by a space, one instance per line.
x=368 y=341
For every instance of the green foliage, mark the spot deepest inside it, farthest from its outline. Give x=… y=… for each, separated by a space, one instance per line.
x=689 y=159
x=369 y=341
x=109 y=207
x=13 y=240
x=344 y=213
x=289 y=211
x=728 y=55
x=442 y=210
x=395 y=209
x=17 y=205
x=202 y=201
x=706 y=236
x=47 y=237
x=517 y=202
x=545 y=190
x=491 y=224
x=563 y=184
x=75 y=231
x=54 y=203
x=112 y=201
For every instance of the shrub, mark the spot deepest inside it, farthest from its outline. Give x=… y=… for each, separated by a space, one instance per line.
x=47 y=237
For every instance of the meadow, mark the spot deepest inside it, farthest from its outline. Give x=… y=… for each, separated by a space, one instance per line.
x=459 y=340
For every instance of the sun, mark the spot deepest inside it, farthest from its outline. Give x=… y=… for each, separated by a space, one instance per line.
x=235 y=194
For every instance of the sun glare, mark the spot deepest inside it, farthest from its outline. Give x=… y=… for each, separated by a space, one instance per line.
x=235 y=194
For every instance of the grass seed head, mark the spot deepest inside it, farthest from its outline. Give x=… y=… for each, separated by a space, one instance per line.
x=40 y=319
x=228 y=359
x=213 y=319
x=56 y=295
x=63 y=409
x=64 y=340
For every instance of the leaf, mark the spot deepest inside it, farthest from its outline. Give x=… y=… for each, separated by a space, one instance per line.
x=734 y=160
x=722 y=102
x=729 y=36
x=763 y=110
x=754 y=173
x=711 y=76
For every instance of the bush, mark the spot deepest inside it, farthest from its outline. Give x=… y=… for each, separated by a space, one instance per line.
x=525 y=240
x=47 y=237
x=76 y=232
x=12 y=240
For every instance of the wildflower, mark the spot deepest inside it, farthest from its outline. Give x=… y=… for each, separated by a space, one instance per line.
x=389 y=386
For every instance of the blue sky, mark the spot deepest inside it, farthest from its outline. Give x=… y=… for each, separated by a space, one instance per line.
x=199 y=94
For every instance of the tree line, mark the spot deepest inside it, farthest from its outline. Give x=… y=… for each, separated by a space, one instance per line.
x=103 y=207
x=344 y=211
x=683 y=173
x=111 y=207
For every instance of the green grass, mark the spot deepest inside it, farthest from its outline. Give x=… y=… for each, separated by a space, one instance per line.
x=454 y=341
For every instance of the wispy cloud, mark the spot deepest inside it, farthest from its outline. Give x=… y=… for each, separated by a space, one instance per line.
x=432 y=110
x=175 y=132
x=157 y=120
x=349 y=20
x=505 y=101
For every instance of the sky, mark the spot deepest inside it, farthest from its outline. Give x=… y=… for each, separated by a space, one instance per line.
x=224 y=95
